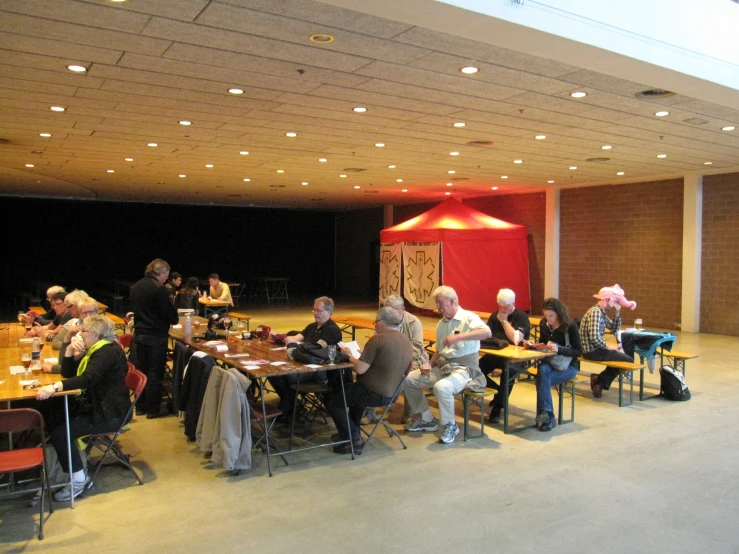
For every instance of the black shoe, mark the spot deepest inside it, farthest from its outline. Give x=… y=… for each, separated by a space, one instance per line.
x=495 y=415
x=336 y=437
x=542 y=418
x=347 y=448
x=549 y=425
x=161 y=413
x=140 y=411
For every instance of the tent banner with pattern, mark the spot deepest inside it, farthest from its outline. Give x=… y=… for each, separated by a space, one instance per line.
x=421 y=262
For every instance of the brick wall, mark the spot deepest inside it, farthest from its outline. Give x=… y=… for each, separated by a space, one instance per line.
x=522 y=209
x=627 y=234
x=720 y=263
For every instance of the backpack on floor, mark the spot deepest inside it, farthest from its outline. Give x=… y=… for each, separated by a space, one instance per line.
x=673 y=384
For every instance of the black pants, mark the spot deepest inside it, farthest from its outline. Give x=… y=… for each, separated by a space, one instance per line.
x=488 y=364
x=152 y=358
x=358 y=397
x=606 y=377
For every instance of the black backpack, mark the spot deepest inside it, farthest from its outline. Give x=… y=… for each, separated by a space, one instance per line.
x=673 y=384
x=311 y=353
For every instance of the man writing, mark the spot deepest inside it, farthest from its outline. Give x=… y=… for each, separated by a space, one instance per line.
x=218 y=290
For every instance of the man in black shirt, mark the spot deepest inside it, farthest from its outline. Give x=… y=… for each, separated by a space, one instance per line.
x=511 y=325
x=322 y=331
x=153 y=314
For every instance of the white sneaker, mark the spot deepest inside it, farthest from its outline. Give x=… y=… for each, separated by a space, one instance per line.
x=64 y=496
x=450 y=431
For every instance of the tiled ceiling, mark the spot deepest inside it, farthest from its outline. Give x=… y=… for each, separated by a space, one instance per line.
x=153 y=63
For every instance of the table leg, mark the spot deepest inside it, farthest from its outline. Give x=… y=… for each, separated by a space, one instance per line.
x=504 y=391
x=346 y=410
x=69 y=450
x=266 y=427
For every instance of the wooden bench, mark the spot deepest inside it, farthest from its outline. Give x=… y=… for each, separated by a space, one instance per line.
x=679 y=359
x=117 y=321
x=624 y=368
x=240 y=316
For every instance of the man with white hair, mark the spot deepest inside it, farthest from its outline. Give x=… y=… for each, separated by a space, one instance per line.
x=511 y=325
x=45 y=319
x=453 y=367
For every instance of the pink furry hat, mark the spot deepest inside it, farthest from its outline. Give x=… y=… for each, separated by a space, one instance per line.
x=615 y=293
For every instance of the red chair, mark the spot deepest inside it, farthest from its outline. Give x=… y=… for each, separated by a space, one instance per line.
x=135 y=381
x=125 y=341
x=23 y=459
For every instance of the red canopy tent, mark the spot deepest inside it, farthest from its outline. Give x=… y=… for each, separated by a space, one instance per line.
x=479 y=253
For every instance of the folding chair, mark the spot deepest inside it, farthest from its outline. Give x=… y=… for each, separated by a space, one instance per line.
x=381 y=418
x=125 y=342
x=135 y=381
x=23 y=459
x=270 y=416
x=308 y=399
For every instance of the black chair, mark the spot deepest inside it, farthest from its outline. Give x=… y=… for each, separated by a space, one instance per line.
x=381 y=418
x=270 y=416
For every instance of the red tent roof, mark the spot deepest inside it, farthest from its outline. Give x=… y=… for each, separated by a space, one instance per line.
x=452 y=220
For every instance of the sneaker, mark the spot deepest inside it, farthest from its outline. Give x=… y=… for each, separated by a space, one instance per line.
x=595 y=386
x=422 y=425
x=450 y=431
x=347 y=448
x=495 y=415
x=542 y=418
x=64 y=496
x=549 y=425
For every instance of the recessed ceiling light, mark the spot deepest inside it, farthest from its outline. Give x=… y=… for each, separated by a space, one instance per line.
x=379 y=144
x=291 y=134
x=185 y=122
x=540 y=137
x=707 y=163
x=573 y=167
x=606 y=147
x=398 y=180
x=661 y=155
x=504 y=176
x=110 y=171
x=451 y=172
x=494 y=188
x=356 y=186
x=343 y=175
x=517 y=161
x=359 y=109
x=729 y=128
x=77 y=68
x=322 y=160
x=579 y=94
x=459 y=124
x=236 y=91
x=469 y=70
x=620 y=173
x=662 y=114
x=454 y=153
x=449 y=184
x=152 y=144
x=45 y=135
x=129 y=159
x=246 y=179
x=30 y=165
x=391 y=167
x=404 y=190
x=280 y=171
x=244 y=153
x=321 y=38
x=447 y=193
x=304 y=183
x=550 y=182
x=57 y=109
x=208 y=165
x=182 y=175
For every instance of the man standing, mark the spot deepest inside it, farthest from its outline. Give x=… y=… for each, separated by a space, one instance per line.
x=511 y=325
x=218 y=290
x=592 y=327
x=154 y=312
x=453 y=367
x=382 y=364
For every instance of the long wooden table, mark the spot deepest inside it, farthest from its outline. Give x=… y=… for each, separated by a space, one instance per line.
x=214 y=306
x=11 y=389
x=350 y=324
x=269 y=351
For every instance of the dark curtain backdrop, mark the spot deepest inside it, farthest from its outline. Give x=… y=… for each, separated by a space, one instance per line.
x=82 y=244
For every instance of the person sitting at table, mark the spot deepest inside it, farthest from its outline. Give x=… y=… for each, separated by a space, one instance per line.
x=87 y=307
x=45 y=318
x=187 y=296
x=47 y=332
x=385 y=359
x=71 y=301
x=323 y=331
x=452 y=368
x=511 y=325
x=219 y=290
x=104 y=403
x=560 y=333
x=592 y=327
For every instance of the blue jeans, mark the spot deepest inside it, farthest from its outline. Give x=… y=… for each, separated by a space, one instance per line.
x=546 y=378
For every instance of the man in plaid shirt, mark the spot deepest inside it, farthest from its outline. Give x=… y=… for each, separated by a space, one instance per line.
x=592 y=327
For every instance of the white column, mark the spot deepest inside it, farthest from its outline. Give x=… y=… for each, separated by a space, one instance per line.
x=551 y=248
x=692 y=238
x=387 y=216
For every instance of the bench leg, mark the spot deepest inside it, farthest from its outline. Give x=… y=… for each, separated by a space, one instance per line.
x=621 y=390
x=480 y=403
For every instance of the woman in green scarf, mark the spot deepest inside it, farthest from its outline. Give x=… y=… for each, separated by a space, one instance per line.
x=104 y=402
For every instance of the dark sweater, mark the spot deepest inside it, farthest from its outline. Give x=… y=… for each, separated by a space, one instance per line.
x=547 y=335
x=152 y=308
x=518 y=319
x=103 y=382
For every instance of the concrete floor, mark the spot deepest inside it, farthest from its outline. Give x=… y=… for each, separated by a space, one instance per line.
x=655 y=477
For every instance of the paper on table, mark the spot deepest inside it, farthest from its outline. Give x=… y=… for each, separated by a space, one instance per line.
x=178 y=326
x=251 y=367
x=1 y=382
x=17 y=369
x=28 y=382
x=221 y=348
x=353 y=346
x=278 y=363
x=27 y=339
x=313 y=366
x=279 y=348
x=238 y=355
x=51 y=360
x=213 y=343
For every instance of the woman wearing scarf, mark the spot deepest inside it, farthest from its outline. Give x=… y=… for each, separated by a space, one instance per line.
x=104 y=402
